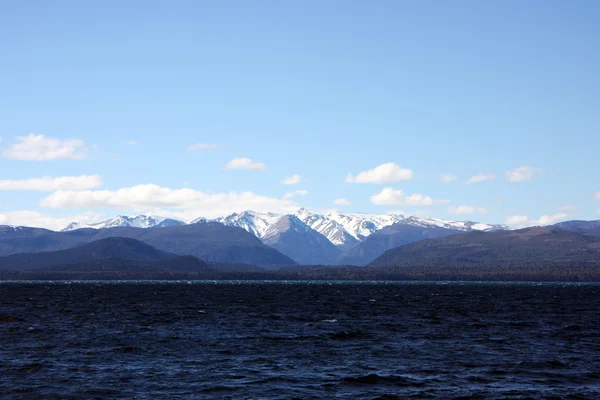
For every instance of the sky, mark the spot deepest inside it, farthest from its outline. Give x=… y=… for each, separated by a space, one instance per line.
x=461 y=110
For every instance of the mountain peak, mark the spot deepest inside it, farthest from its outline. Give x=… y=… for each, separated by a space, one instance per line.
x=284 y=223
x=294 y=238
x=138 y=221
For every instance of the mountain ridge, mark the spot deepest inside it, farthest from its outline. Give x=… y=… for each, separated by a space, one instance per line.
x=108 y=248
x=534 y=246
x=300 y=242
x=211 y=241
x=342 y=229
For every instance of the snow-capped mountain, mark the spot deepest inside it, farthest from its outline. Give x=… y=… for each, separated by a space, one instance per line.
x=332 y=230
x=465 y=226
x=361 y=226
x=342 y=229
x=140 y=221
x=298 y=241
x=590 y=228
x=10 y=228
x=350 y=228
x=254 y=222
x=313 y=238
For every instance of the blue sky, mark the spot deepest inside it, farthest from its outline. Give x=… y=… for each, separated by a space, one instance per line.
x=102 y=104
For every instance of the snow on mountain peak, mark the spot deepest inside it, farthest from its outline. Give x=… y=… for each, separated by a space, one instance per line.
x=360 y=226
x=254 y=222
x=286 y=222
x=341 y=229
x=139 y=221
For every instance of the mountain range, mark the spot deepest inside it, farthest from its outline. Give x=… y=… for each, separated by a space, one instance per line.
x=139 y=221
x=313 y=238
x=530 y=254
x=265 y=239
x=211 y=242
x=564 y=252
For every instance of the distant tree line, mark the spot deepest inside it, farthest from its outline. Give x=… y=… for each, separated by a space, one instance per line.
x=546 y=273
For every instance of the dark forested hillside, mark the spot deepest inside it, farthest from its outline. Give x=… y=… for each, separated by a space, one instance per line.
x=109 y=248
x=530 y=247
x=590 y=228
x=389 y=237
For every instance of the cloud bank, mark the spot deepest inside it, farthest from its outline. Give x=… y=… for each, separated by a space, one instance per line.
x=521 y=221
x=150 y=197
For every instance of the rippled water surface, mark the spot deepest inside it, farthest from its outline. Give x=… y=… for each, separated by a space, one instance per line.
x=276 y=340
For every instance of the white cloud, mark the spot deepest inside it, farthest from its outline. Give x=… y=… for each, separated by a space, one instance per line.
x=245 y=163
x=41 y=148
x=130 y=142
x=154 y=198
x=521 y=221
x=396 y=197
x=480 y=178
x=447 y=178
x=550 y=219
x=597 y=195
x=49 y=184
x=517 y=220
x=289 y=195
x=40 y=220
x=566 y=207
x=389 y=172
x=292 y=180
x=203 y=146
x=396 y=212
x=341 y=202
x=522 y=173
x=463 y=210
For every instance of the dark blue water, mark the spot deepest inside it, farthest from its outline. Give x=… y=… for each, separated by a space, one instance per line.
x=274 y=340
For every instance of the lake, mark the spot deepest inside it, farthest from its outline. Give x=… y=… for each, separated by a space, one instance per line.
x=273 y=340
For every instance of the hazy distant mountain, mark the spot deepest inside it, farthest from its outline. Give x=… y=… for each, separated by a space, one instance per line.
x=526 y=248
x=303 y=244
x=591 y=228
x=140 y=221
x=209 y=241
